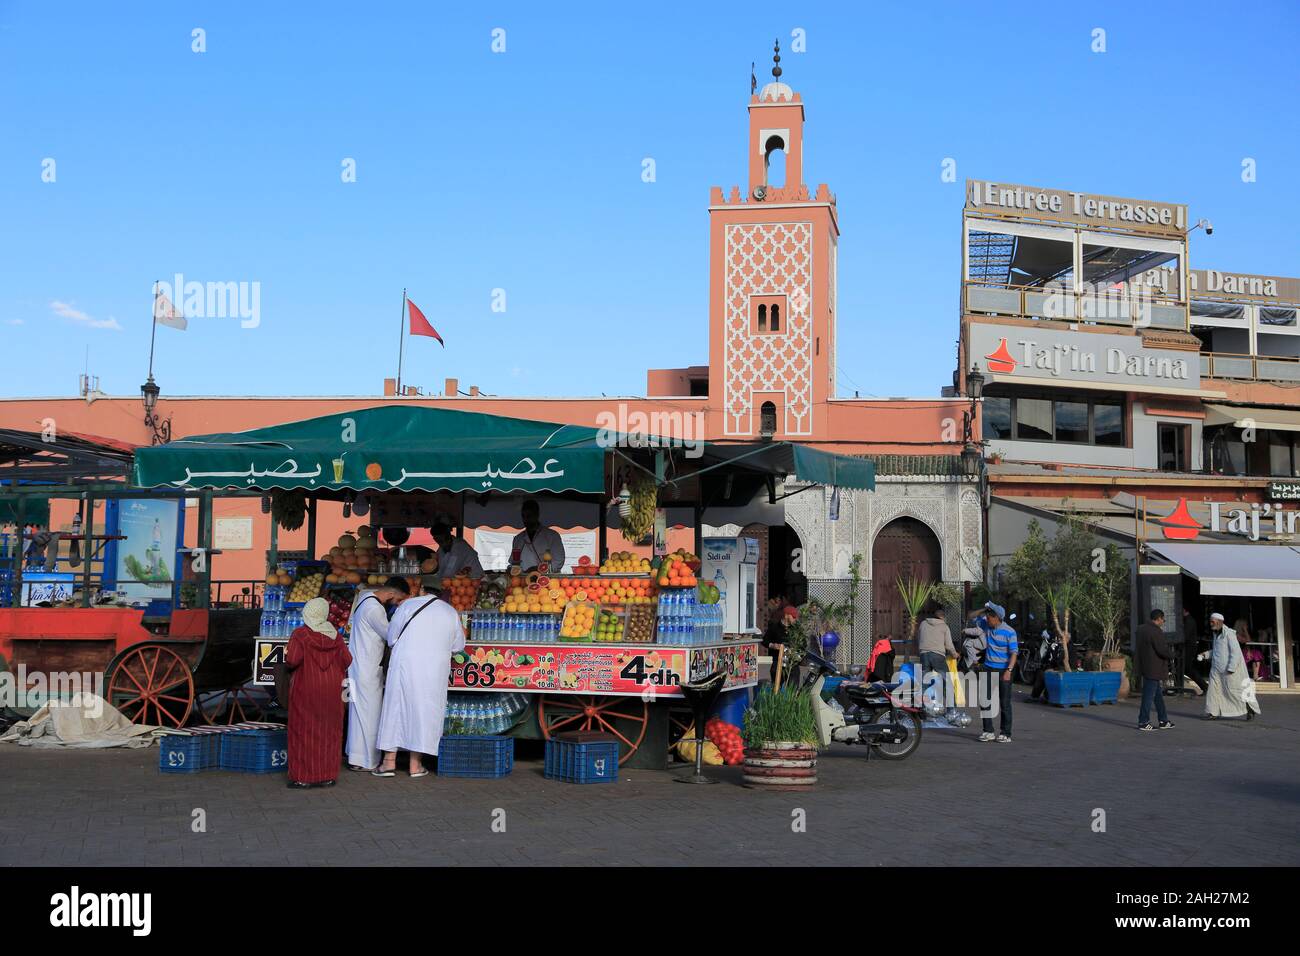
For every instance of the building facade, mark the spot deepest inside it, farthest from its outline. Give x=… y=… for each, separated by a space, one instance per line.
x=1152 y=400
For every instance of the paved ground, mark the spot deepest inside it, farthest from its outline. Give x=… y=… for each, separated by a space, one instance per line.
x=1204 y=794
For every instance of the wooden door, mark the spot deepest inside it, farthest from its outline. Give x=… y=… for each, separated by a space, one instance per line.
x=904 y=548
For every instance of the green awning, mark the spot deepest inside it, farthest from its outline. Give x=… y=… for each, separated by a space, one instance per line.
x=389 y=448
x=410 y=448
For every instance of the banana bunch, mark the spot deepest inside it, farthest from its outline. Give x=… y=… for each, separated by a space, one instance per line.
x=641 y=520
x=289 y=509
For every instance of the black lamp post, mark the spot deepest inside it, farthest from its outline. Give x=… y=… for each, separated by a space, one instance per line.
x=972 y=455
x=161 y=429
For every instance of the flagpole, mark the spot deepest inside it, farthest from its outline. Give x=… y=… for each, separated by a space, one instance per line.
x=153 y=332
x=401 y=341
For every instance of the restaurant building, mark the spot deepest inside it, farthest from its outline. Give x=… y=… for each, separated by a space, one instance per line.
x=769 y=334
x=1155 y=401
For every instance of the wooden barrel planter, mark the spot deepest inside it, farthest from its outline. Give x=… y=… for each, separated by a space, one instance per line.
x=780 y=765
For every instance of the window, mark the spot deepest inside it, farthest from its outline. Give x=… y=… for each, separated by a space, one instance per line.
x=1274 y=316
x=1034 y=418
x=1071 y=421
x=1040 y=416
x=1279 y=454
x=996 y=416
x=699 y=386
x=765 y=313
x=1173 y=443
x=774 y=161
x=767 y=418
x=1108 y=422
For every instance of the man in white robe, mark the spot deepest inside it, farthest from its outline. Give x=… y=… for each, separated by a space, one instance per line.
x=454 y=554
x=537 y=545
x=369 y=636
x=1226 y=694
x=424 y=633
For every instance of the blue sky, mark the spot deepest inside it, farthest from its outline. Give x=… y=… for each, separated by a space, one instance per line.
x=522 y=171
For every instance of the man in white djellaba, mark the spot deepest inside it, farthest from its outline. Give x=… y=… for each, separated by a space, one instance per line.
x=1227 y=694
x=423 y=634
x=369 y=628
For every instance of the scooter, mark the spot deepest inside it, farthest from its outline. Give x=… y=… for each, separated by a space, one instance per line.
x=871 y=714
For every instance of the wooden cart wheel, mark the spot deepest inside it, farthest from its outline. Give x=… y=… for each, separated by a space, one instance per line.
x=152 y=684
x=234 y=705
x=624 y=717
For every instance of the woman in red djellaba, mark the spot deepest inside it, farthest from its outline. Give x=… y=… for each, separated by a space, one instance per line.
x=318 y=662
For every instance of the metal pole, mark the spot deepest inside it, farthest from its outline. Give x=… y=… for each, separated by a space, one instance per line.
x=153 y=332
x=16 y=599
x=87 y=530
x=401 y=341
x=311 y=527
x=205 y=542
x=601 y=543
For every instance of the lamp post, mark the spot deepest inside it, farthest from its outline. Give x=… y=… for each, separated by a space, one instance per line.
x=160 y=429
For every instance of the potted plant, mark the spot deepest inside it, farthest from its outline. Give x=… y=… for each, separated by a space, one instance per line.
x=1103 y=602
x=781 y=740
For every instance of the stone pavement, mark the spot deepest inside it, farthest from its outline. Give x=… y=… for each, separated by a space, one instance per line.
x=1203 y=794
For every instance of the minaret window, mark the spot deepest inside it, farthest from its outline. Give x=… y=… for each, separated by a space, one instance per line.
x=765 y=313
x=774 y=160
x=767 y=419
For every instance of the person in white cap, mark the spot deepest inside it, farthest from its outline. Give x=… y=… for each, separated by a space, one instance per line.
x=1227 y=694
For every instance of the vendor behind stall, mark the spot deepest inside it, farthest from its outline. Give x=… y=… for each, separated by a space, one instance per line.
x=454 y=554
x=532 y=545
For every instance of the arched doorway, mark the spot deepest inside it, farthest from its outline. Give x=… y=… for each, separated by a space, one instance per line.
x=904 y=548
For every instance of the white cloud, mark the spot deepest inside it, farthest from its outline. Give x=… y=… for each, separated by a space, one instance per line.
x=67 y=311
x=13 y=321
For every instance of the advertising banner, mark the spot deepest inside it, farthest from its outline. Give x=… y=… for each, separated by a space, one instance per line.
x=146 y=557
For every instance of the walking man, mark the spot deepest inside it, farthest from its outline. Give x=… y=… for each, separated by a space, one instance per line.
x=999 y=663
x=1153 y=656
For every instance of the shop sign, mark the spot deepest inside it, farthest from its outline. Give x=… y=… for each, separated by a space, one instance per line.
x=267 y=653
x=1044 y=354
x=617 y=669
x=1070 y=206
x=1243 y=285
x=1284 y=490
x=1251 y=521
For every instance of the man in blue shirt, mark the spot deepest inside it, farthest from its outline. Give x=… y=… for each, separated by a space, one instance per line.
x=999 y=663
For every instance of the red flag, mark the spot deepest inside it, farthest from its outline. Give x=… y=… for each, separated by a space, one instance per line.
x=420 y=325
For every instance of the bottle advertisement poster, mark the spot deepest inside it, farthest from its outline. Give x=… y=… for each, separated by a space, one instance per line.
x=146 y=557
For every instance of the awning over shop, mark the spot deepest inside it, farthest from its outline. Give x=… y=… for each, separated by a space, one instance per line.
x=1239 y=570
x=412 y=448
x=392 y=447
x=1269 y=419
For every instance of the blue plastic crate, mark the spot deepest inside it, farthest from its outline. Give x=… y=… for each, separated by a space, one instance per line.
x=593 y=761
x=255 y=751
x=182 y=753
x=1068 y=689
x=1105 y=686
x=476 y=755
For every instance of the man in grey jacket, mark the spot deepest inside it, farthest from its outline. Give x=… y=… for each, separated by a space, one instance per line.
x=934 y=642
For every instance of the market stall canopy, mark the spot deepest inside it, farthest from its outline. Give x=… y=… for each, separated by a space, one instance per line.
x=38 y=465
x=1239 y=570
x=412 y=448
x=389 y=448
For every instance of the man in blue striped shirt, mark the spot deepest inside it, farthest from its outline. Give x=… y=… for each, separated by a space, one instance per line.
x=1000 y=653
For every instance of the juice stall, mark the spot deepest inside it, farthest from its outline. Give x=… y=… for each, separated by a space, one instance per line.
x=599 y=641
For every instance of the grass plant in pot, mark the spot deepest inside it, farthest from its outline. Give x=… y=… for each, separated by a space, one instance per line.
x=781 y=740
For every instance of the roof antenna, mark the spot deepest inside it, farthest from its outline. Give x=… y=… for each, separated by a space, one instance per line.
x=776 y=59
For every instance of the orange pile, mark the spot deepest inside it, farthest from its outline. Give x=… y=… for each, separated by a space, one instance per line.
x=462 y=591
x=610 y=590
x=578 y=621
x=675 y=573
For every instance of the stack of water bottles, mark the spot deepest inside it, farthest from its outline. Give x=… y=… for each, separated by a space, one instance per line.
x=513 y=628
x=708 y=623
x=476 y=714
x=676 y=616
x=279 y=619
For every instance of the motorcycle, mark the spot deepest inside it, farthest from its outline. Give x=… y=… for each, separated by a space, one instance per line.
x=1038 y=657
x=869 y=713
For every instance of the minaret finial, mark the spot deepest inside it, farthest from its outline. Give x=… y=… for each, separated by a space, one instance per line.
x=776 y=59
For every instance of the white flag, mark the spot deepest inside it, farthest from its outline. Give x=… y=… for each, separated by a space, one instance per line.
x=165 y=313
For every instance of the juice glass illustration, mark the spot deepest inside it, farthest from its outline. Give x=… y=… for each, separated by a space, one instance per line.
x=338 y=469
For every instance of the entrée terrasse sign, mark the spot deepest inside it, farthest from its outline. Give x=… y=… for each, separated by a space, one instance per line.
x=1078 y=207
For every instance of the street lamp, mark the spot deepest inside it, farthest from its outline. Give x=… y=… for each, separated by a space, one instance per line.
x=972 y=455
x=161 y=430
x=974 y=384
